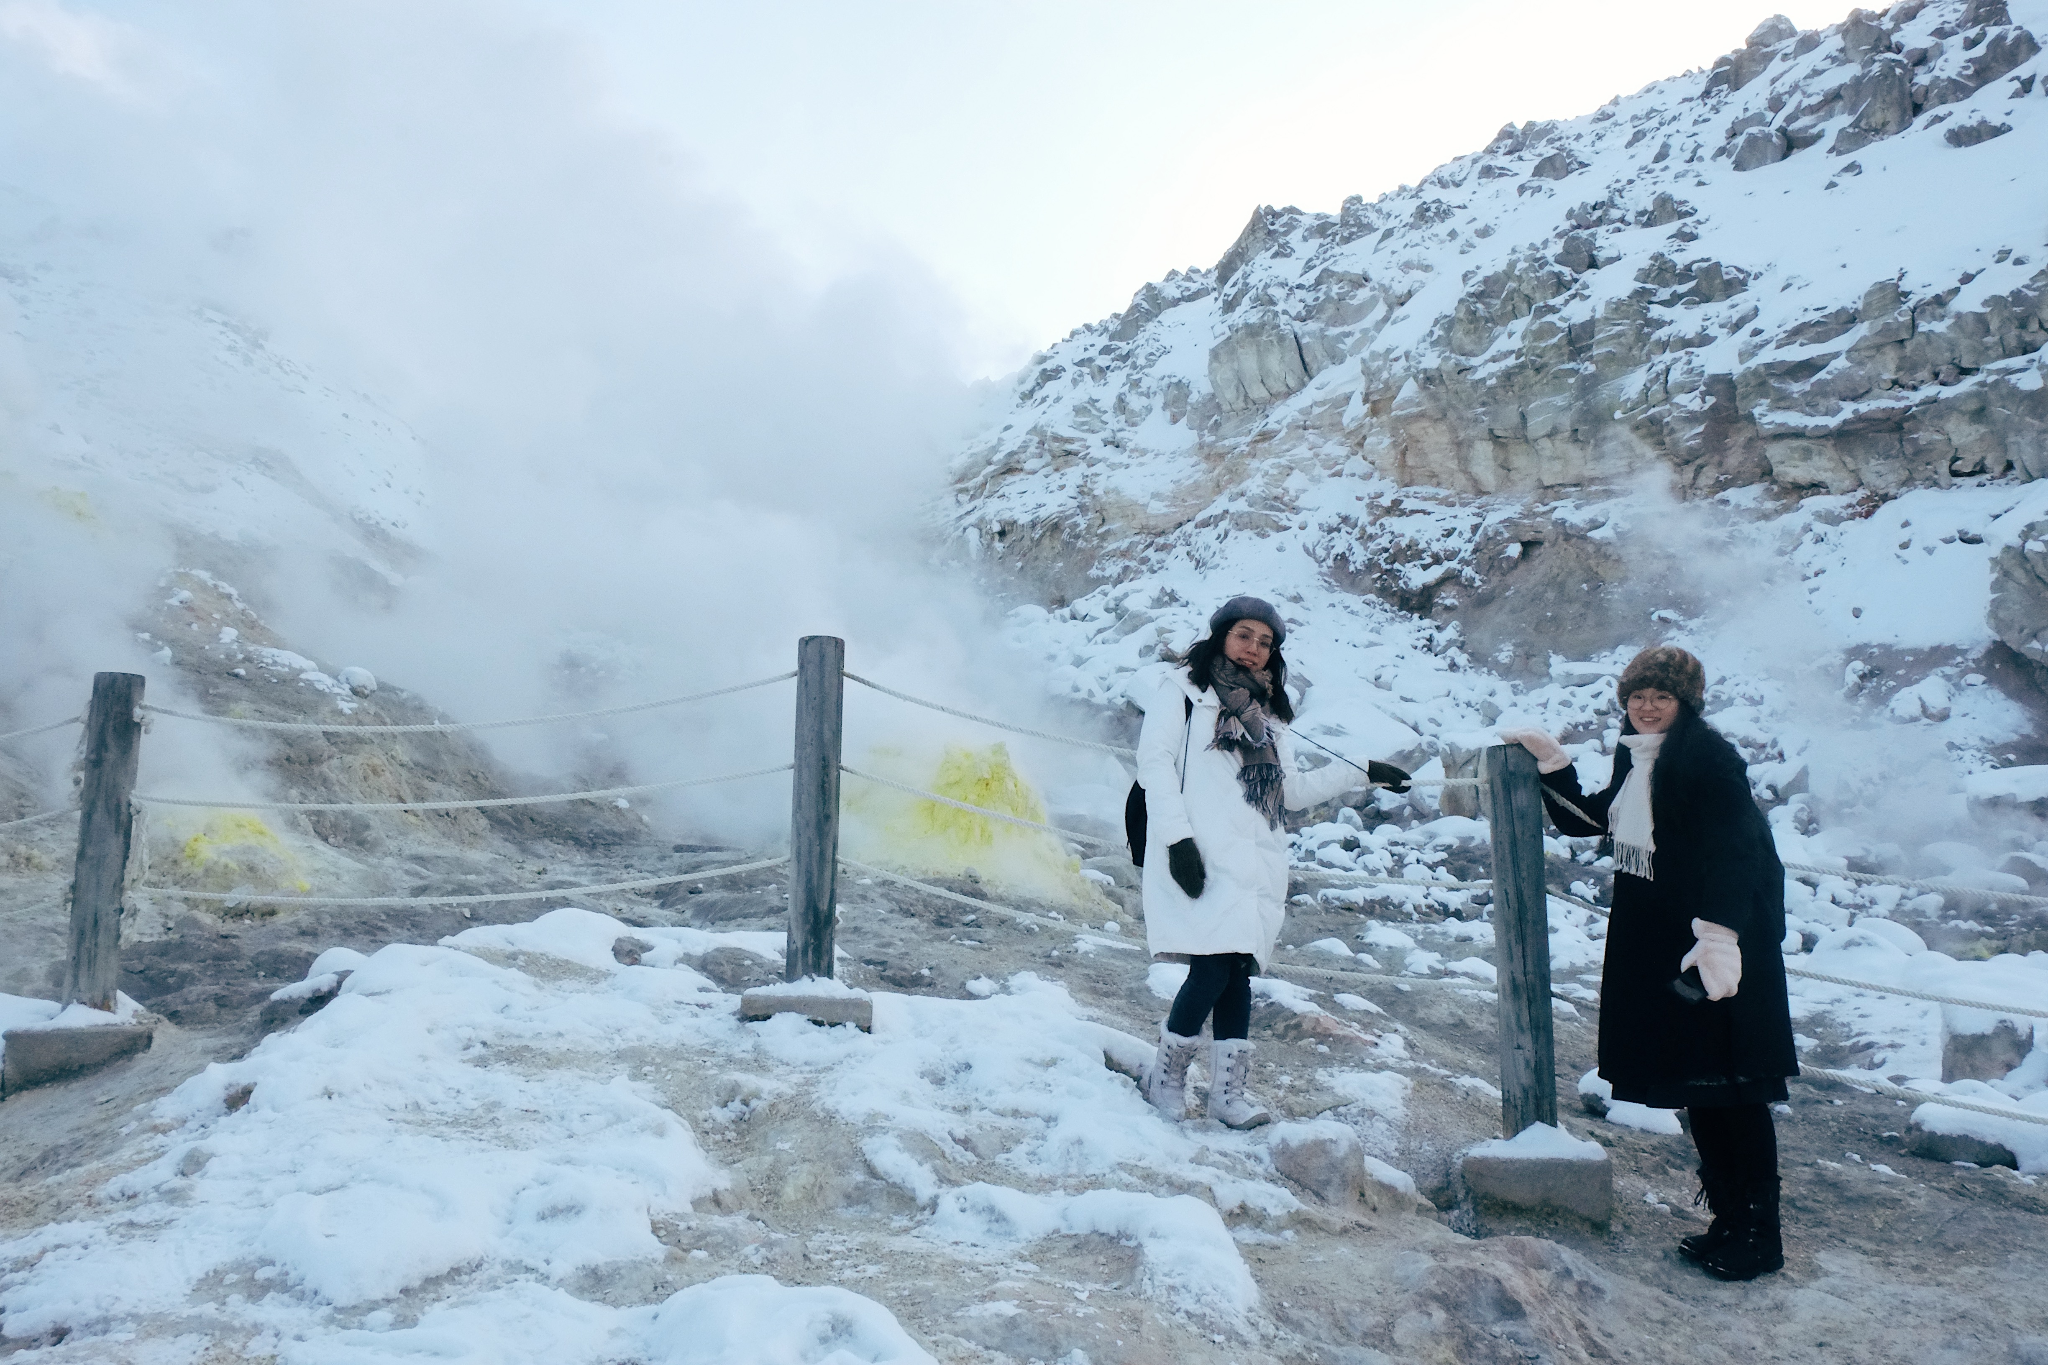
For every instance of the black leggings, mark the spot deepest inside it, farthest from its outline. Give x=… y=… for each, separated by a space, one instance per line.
x=1216 y=981
x=1738 y=1140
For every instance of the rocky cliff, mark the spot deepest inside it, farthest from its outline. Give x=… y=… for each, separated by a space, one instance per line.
x=1820 y=266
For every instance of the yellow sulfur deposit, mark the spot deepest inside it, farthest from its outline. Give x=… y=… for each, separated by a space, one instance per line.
x=896 y=830
x=71 y=503
x=236 y=849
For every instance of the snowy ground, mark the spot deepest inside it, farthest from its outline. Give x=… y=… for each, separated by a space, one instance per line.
x=510 y=1145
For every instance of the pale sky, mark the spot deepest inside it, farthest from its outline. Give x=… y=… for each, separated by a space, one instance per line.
x=1045 y=160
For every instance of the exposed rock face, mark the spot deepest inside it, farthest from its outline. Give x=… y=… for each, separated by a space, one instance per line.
x=1760 y=147
x=2019 y=596
x=1989 y=1055
x=1729 y=297
x=1257 y=364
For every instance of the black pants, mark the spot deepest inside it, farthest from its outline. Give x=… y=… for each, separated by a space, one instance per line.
x=1221 y=982
x=1737 y=1142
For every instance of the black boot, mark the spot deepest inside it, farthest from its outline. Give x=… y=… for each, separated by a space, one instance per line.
x=1753 y=1245
x=1720 y=1201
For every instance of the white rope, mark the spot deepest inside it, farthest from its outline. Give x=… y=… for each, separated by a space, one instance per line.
x=490 y=803
x=983 y=810
x=1861 y=985
x=1946 y=888
x=974 y=901
x=1599 y=910
x=442 y=727
x=1862 y=1082
x=1468 y=983
x=1917 y=995
x=32 y=819
x=645 y=883
x=1372 y=879
x=1072 y=928
x=40 y=729
x=1116 y=749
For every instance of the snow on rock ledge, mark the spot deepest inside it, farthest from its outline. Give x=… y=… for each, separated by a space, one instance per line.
x=1781 y=269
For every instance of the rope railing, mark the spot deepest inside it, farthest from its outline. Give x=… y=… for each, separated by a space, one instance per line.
x=1047 y=922
x=41 y=729
x=957 y=897
x=485 y=803
x=818 y=711
x=1945 y=888
x=640 y=884
x=2034 y=1012
x=1567 y=897
x=1864 y=1082
x=1117 y=749
x=443 y=727
x=1079 y=743
x=37 y=819
x=1374 y=879
x=1007 y=819
x=1852 y=983
x=1899 y=1092
x=1456 y=982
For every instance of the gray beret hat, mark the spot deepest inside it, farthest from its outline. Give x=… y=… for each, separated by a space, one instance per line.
x=1249 y=609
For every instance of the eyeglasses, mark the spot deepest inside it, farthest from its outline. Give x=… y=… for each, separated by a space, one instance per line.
x=1252 y=637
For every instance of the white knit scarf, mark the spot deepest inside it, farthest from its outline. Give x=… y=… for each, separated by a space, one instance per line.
x=1628 y=819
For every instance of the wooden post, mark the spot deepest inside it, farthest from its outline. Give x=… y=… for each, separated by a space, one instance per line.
x=1521 y=929
x=106 y=823
x=814 y=806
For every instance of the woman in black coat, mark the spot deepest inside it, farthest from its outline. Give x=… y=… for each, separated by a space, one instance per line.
x=1693 y=1013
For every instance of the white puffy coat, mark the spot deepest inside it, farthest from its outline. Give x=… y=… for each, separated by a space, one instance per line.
x=1244 y=901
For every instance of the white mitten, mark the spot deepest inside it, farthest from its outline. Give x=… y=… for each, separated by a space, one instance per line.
x=1549 y=757
x=1718 y=955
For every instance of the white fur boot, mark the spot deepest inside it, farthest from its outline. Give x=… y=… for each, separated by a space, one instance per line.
x=1230 y=1067
x=1166 y=1081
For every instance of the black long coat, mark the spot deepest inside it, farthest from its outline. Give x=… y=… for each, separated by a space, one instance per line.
x=1715 y=860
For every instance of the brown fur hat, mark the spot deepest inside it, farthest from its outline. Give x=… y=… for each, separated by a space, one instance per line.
x=1668 y=669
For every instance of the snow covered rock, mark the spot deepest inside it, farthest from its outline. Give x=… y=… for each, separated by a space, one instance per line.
x=822 y=1001
x=1542 y=1167
x=1939 y=1133
x=1976 y=1046
x=2019 y=594
x=43 y=1053
x=2018 y=788
x=1323 y=1157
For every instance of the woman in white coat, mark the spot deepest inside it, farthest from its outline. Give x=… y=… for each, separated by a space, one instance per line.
x=1217 y=764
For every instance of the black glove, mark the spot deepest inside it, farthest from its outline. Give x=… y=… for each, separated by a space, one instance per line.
x=1386 y=773
x=1184 y=861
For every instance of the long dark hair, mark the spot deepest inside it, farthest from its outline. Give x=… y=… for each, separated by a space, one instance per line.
x=1201 y=661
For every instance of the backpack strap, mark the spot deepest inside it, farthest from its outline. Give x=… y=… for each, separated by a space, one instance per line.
x=1187 y=735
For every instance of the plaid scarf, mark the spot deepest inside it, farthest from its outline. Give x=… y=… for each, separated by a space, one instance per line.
x=1245 y=728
